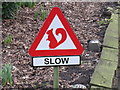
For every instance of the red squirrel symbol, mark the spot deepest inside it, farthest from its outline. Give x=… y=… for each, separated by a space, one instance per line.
x=53 y=42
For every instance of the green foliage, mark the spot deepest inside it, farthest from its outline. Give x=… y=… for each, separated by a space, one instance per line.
x=36 y=15
x=8 y=40
x=40 y=12
x=6 y=74
x=27 y=4
x=105 y=21
x=43 y=15
x=9 y=10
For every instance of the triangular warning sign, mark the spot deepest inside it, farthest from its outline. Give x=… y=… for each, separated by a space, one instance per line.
x=56 y=37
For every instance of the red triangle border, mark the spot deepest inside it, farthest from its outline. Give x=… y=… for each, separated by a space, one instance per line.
x=33 y=52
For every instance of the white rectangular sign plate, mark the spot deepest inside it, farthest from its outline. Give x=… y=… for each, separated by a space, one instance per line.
x=56 y=61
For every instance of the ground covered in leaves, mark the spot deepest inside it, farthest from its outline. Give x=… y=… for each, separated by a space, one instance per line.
x=84 y=20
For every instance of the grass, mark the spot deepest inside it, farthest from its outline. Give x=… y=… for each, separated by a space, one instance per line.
x=36 y=15
x=27 y=4
x=6 y=74
x=43 y=15
x=8 y=39
x=41 y=12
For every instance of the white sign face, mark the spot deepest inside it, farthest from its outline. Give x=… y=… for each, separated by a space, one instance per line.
x=66 y=44
x=56 y=61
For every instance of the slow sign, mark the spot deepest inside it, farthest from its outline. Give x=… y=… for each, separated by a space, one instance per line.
x=57 y=40
x=56 y=61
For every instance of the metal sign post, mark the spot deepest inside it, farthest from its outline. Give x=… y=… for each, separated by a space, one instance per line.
x=56 y=78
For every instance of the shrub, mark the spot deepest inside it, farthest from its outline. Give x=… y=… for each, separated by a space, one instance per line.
x=9 y=10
